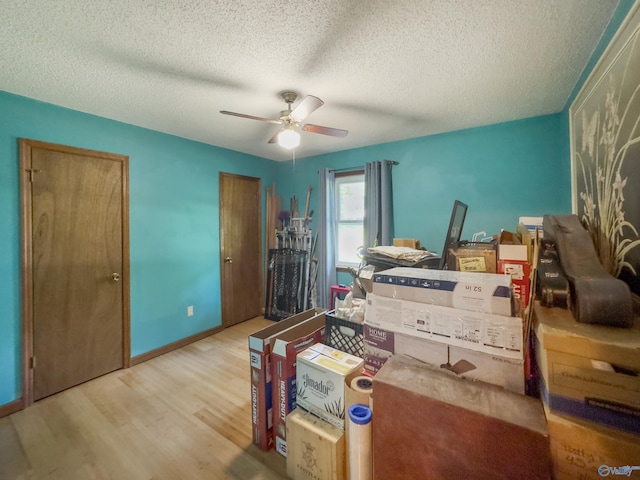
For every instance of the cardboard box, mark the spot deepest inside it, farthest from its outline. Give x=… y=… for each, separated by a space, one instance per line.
x=366 y=279
x=527 y=239
x=507 y=373
x=320 y=378
x=429 y=423
x=588 y=371
x=473 y=257
x=316 y=448
x=407 y=242
x=483 y=332
x=588 y=451
x=510 y=247
x=261 y=389
x=533 y=224
x=284 y=350
x=488 y=292
x=520 y=273
x=381 y=344
x=513 y=259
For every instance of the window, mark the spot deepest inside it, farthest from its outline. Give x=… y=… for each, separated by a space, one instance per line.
x=349 y=203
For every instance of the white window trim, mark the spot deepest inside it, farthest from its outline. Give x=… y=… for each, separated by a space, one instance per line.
x=345 y=178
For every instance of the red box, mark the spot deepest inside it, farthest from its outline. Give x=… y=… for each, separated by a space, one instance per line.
x=520 y=279
x=284 y=349
x=513 y=258
x=260 y=360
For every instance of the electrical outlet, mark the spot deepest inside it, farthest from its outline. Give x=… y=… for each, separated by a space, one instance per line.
x=190 y=311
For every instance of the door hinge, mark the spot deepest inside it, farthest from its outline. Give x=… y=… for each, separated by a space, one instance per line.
x=32 y=363
x=31 y=172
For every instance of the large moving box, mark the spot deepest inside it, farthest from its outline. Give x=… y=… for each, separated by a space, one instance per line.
x=486 y=292
x=284 y=350
x=380 y=344
x=429 y=423
x=587 y=451
x=484 y=332
x=261 y=389
x=588 y=371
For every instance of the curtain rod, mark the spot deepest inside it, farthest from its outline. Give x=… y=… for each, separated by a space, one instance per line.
x=346 y=169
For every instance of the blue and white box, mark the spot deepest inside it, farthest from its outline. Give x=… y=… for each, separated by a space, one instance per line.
x=479 y=292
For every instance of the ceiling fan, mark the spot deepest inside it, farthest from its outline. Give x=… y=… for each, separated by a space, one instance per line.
x=290 y=120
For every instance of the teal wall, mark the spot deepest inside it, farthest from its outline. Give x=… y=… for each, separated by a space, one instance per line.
x=502 y=171
x=174 y=223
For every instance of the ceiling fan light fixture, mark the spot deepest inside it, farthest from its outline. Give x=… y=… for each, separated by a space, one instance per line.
x=291 y=120
x=288 y=138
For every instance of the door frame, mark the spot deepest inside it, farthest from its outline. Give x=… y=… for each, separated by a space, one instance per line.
x=26 y=253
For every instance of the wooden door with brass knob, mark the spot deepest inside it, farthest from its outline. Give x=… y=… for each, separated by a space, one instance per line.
x=75 y=265
x=240 y=244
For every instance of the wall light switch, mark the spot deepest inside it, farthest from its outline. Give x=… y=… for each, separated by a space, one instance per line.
x=190 y=311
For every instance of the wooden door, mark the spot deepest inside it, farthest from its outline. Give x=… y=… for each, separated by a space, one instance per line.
x=75 y=265
x=240 y=240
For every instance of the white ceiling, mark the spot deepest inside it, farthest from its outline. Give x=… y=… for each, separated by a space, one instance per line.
x=386 y=70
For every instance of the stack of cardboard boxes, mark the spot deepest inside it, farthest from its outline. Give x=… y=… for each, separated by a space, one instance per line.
x=463 y=324
x=291 y=367
x=460 y=326
x=460 y=407
x=461 y=321
x=284 y=352
x=449 y=414
x=590 y=384
x=285 y=338
x=316 y=439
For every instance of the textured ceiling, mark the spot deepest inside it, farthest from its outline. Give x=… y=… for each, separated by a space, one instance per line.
x=386 y=70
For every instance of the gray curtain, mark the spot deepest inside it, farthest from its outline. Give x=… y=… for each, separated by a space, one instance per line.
x=378 y=203
x=326 y=275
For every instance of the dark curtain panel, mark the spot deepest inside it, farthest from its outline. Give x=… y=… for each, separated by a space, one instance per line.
x=326 y=237
x=378 y=198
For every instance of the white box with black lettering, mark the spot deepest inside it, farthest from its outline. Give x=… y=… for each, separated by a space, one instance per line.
x=320 y=375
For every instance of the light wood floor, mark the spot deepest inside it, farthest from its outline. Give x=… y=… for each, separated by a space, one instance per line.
x=183 y=415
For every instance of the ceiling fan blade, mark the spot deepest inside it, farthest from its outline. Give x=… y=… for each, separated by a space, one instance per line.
x=251 y=117
x=308 y=105
x=334 y=132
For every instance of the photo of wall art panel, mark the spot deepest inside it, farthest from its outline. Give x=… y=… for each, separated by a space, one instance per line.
x=605 y=151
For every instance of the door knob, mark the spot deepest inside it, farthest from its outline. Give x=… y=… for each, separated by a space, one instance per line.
x=228 y=260
x=115 y=277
